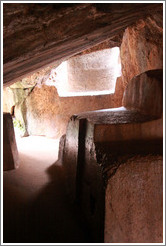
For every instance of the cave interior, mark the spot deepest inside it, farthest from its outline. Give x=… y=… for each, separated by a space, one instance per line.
x=83 y=122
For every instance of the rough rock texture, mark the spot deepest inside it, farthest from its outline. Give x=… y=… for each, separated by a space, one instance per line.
x=13 y=97
x=134 y=202
x=20 y=117
x=45 y=113
x=142 y=47
x=8 y=100
x=84 y=176
x=96 y=71
x=61 y=148
x=97 y=143
x=17 y=92
x=10 y=152
x=128 y=129
x=48 y=114
x=119 y=90
x=36 y=35
x=104 y=45
x=145 y=93
x=70 y=155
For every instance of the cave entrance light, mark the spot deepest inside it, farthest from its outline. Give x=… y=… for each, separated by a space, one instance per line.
x=91 y=74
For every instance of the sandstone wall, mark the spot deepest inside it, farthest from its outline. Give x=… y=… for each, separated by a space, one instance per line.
x=18 y=91
x=145 y=93
x=43 y=112
x=134 y=202
x=98 y=144
x=40 y=110
x=48 y=114
x=142 y=47
x=96 y=71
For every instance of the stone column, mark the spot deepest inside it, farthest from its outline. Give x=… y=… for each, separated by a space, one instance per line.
x=10 y=152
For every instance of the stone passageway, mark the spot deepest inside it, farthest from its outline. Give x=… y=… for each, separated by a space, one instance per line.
x=36 y=207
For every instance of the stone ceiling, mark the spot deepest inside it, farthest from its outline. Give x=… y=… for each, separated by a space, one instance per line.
x=37 y=35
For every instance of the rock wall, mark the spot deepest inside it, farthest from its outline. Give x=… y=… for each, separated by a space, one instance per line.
x=48 y=114
x=134 y=205
x=36 y=35
x=113 y=163
x=142 y=47
x=96 y=71
x=145 y=93
x=97 y=145
x=10 y=152
x=17 y=92
x=41 y=111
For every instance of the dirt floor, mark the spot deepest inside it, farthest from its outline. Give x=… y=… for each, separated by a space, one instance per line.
x=36 y=208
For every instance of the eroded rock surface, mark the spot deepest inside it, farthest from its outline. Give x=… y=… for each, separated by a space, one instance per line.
x=43 y=112
x=92 y=72
x=97 y=143
x=36 y=35
x=48 y=114
x=145 y=93
x=142 y=47
x=134 y=202
x=17 y=92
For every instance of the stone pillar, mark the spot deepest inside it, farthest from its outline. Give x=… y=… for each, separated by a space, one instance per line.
x=10 y=152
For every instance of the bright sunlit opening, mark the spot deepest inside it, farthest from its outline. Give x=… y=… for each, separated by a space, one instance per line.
x=87 y=75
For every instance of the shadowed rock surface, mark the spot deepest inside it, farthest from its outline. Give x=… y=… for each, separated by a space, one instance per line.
x=99 y=144
x=145 y=93
x=10 y=152
x=36 y=35
x=106 y=185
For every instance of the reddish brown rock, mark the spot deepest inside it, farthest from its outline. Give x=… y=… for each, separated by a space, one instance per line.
x=134 y=202
x=127 y=130
x=70 y=156
x=45 y=113
x=145 y=93
x=97 y=143
x=119 y=90
x=92 y=72
x=10 y=152
x=142 y=47
x=116 y=41
x=36 y=35
x=61 y=148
